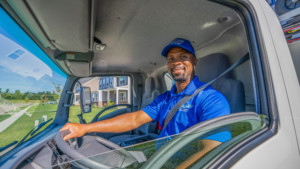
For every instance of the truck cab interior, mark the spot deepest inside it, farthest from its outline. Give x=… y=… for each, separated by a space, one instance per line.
x=106 y=39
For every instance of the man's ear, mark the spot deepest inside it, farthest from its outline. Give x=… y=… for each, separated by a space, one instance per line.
x=195 y=61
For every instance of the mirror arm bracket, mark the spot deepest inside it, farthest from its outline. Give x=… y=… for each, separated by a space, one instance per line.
x=69 y=92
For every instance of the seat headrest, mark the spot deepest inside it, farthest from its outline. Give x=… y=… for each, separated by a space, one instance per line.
x=212 y=65
x=149 y=86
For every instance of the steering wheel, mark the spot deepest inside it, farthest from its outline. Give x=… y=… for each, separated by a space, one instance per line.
x=110 y=114
x=110 y=159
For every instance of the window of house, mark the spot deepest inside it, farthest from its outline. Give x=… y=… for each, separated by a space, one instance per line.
x=122 y=80
x=111 y=81
x=122 y=96
x=77 y=99
x=94 y=97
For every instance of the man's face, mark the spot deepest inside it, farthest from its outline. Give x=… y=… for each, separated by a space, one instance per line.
x=180 y=64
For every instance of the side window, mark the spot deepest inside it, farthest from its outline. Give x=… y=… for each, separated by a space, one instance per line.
x=168 y=80
x=105 y=92
x=190 y=150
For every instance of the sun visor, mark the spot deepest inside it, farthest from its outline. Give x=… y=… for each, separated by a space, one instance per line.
x=75 y=63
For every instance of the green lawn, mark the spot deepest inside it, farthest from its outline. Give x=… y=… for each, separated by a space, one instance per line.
x=15 y=101
x=25 y=123
x=22 y=126
x=23 y=101
x=4 y=116
x=43 y=108
x=17 y=109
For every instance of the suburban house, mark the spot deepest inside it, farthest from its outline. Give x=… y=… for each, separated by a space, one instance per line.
x=107 y=88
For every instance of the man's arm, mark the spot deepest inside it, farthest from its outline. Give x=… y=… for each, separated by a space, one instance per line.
x=208 y=145
x=122 y=123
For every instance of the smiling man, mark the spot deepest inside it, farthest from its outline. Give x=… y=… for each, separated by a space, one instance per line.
x=206 y=105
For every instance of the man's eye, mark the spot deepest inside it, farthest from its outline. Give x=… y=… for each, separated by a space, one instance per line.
x=170 y=59
x=184 y=57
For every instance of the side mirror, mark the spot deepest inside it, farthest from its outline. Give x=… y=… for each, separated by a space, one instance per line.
x=85 y=99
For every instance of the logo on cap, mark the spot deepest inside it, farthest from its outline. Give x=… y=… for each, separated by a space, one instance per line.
x=178 y=41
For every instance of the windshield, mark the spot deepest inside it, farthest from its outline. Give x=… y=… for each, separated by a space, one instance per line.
x=30 y=84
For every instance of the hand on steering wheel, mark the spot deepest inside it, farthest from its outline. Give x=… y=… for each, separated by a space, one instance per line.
x=74 y=154
x=74 y=130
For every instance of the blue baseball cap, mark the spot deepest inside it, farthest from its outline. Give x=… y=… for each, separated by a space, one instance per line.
x=179 y=42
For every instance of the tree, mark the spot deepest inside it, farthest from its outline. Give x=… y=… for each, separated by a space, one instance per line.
x=110 y=103
x=57 y=87
x=17 y=95
x=26 y=99
x=44 y=98
x=55 y=96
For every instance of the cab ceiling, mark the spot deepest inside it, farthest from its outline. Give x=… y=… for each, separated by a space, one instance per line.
x=134 y=31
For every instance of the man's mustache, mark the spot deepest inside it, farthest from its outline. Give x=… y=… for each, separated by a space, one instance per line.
x=178 y=67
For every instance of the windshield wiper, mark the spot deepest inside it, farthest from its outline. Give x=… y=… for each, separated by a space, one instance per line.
x=34 y=130
x=8 y=145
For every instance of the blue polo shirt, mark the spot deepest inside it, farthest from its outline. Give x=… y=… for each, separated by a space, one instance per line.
x=207 y=104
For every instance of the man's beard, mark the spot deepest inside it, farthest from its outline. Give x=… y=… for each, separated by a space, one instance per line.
x=179 y=77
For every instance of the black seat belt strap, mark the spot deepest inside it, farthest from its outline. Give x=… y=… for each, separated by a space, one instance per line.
x=186 y=98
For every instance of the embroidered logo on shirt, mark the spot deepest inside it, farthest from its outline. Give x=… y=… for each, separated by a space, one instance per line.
x=186 y=107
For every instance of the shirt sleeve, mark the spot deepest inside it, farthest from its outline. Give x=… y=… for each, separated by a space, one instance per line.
x=152 y=108
x=215 y=105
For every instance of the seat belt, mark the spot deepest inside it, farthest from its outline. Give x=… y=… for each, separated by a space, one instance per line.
x=186 y=98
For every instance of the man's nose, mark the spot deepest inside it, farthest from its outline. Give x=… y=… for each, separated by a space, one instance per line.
x=177 y=61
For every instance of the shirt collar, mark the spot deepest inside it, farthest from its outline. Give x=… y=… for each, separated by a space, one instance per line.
x=189 y=90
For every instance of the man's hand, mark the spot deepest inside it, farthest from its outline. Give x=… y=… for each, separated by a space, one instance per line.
x=76 y=130
x=122 y=123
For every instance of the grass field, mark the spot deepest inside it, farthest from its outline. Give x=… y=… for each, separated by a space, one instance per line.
x=4 y=116
x=26 y=122
x=22 y=101
x=17 y=109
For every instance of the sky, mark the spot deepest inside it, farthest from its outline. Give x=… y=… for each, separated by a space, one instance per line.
x=23 y=65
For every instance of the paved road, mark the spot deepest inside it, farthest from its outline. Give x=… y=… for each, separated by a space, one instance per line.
x=7 y=107
x=7 y=122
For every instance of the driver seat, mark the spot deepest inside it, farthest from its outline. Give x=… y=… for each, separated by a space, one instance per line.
x=212 y=65
x=146 y=131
